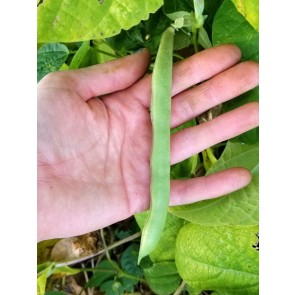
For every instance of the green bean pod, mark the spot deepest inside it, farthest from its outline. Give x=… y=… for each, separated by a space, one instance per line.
x=160 y=154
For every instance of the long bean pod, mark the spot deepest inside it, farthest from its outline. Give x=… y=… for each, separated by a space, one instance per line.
x=160 y=154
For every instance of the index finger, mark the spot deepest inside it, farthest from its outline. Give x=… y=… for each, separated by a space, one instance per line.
x=101 y=79
x=193 y=70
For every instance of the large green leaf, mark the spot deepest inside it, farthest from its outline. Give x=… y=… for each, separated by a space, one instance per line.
x=218 y=258
x=229 y=26
x=70 y=21
x=250 y=10
x=146 y=34
x=238 y=208
x=165 y=249
x=238 y=155
x=162 y=278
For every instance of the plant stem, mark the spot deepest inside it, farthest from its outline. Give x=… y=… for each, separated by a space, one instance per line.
x=194 y=36
x=107 y=252
x=121 y=272
x=179 y=289
x=107 y=53
x=178 y=56
x=85 y=272
x=89 y=291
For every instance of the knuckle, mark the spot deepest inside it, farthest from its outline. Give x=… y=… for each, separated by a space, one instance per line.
x=58 y=78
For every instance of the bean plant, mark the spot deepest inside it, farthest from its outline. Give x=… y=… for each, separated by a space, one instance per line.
x=208 y=247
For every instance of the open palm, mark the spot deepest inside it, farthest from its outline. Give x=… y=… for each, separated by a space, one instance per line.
x=94 y=137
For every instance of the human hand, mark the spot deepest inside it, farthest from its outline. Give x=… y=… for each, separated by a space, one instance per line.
x=94 y=137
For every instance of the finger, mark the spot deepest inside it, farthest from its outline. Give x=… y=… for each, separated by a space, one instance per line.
x=192 y=70
x=103 y=78
x=207 y=187
x=190 y=141
x=225 y=86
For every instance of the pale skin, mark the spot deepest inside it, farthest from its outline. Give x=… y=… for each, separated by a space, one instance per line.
x=94 y=137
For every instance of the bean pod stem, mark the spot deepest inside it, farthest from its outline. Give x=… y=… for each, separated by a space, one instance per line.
x=160 y=155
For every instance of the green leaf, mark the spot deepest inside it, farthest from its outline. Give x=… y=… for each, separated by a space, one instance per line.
x=165 y=249
x=66 y=270
x=71 y=21
x=210 y=10
x=249 y=96
x=186 y=168
x=187 y=124
x=129 y=259
x=230 y=26
x=128 y=284
x=128 y=41
x=103 y=52
x=80 y=55
x=112 y=288
x=185 y=15
x=162 y=278
x=146 y=34
x=178 y=5
x=199 y=8
x=239 y=207
x=238 y=155
x=181 y=40
x=104 y=271
x=42 y=278
x=218 y=258
x=42 y=266
x=50 y=58
x=250 y=10
x=55 y=293
x=90 y=59
x=251 y=136
x=118 y=287
x=41 y=283
x=153 y=29
x=203 y=38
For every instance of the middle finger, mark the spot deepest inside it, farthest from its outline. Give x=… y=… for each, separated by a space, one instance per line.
x=224 y=86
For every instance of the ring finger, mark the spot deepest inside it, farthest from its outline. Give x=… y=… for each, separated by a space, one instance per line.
x=190 y=141
x=224 y=86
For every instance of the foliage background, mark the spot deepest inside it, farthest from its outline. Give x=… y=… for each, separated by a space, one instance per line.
x=72 y=35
